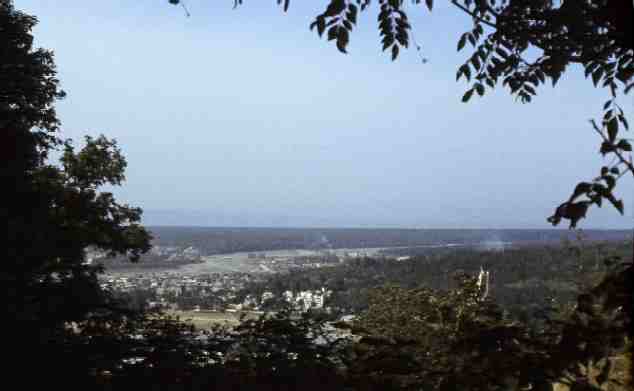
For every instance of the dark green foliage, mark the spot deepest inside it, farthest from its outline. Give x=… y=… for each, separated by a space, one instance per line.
x=340 y=16
x=525 y=280
x=339 y=19
x=457 y=340
x=407 y=339
x=601 y=188
x=269 y=353
x=52 y=213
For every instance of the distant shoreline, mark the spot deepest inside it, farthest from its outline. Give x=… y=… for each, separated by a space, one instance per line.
x=243 y=261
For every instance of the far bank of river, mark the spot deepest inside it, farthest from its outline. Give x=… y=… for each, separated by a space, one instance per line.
x=256 y=262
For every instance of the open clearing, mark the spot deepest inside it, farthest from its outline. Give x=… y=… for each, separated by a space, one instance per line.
x=207 y=319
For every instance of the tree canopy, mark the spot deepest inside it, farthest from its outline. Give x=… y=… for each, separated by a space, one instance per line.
x=53 y=212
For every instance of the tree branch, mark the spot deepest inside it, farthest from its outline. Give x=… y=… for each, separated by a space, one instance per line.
x=628 y=163
x=473 y=15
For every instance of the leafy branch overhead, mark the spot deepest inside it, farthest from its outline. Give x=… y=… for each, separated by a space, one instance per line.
x=522 y=45
x=601 y=188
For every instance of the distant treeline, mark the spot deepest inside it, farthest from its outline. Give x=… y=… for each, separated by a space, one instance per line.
x=147 y=261
x=228 y=240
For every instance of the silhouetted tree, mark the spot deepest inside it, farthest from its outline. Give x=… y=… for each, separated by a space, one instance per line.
x=447 y=340
x=53 y=213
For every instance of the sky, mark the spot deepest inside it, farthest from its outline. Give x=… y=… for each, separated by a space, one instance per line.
x=246 y=118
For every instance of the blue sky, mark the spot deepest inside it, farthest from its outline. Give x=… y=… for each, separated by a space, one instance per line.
x=245 y=117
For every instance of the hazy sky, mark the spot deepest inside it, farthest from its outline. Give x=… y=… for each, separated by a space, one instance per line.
x=245 y=117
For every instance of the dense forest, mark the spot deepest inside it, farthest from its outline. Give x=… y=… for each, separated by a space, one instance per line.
x=550 y=316
x=523 y=280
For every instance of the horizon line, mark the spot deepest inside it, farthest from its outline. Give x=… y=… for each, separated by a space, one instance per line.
x=383 y=227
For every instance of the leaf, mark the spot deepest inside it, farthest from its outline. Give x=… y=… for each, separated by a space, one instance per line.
x=607 y=104
x=615 y=170
x=618 y=204
x=335 y=7
x=624 y=145
x=597 y=200
x=596 y=75
x=464 y=70
x=430 y=4
x=613 y=128
x=320 y=24
x=394 y=52
x=624 y=74
x=501 y=52
x=478 y=29
x=624 y=121
x=402 y=38
x=606 y=147
x=467 y=95
x=462 y=41
x=388 y=40
x=479 y=89
x=460 y=72
x=575 y=212
x=533 y=79
x=476 y=62
x=467 y=72
x=332 y=33
x=604 y=170
x=580 y=189
x=589 y=68
x=342 y=40
x=352 y=16
x=610 y=181
x=472 y=39
x=600 y=189
x=540 y=75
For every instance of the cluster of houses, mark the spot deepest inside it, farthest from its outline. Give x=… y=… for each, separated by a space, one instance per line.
x=223 y=291
x=220 y=290
x=167 y=288
x=306 y=300
x=300 y=301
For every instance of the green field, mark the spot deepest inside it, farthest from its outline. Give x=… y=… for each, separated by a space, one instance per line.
x=207 y=319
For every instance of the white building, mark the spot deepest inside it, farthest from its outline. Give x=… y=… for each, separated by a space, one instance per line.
x=267 y=295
